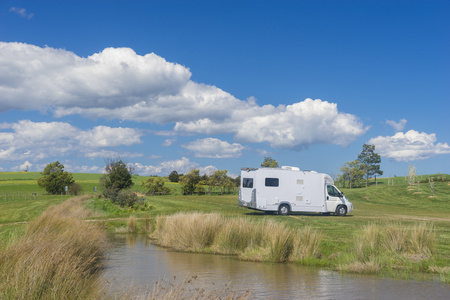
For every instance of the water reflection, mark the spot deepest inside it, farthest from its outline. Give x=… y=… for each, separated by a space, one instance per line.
x=134 y=261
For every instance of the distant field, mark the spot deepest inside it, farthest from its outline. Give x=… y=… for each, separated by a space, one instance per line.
x=398 y=204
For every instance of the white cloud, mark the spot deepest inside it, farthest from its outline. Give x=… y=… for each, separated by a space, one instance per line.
x=113 y=78
x=294 y=126
x=397 y=126
x=21 y=12
x=104 y=136
x=33 y=141
x=25 y=166
x=168 y=142
x=214 y=148
x=409 y=146
x=119 y=84
x=182 y=166
x=83 y=169
x=208 y=170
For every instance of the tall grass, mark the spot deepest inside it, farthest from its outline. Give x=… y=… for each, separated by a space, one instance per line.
x=391 y=246
x=256 y=241
x=56 y=258
x=187 y=232
x=132 y=224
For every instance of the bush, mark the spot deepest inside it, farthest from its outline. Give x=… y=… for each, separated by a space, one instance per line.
x=124 y=198
x=75 y=189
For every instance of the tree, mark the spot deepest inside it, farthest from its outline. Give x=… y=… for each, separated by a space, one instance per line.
x=269 y=162
x=118 y=175
x=155 y=185
x=370 y=161
x=412 y=174
x=173 y=176
x=54 y=179
x=189 y=181
x=352 y=172
x=220 y=179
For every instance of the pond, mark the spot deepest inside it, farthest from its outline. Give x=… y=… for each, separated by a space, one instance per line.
x=133 y=262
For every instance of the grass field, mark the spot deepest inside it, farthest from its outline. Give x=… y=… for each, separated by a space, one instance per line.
x=382 y=210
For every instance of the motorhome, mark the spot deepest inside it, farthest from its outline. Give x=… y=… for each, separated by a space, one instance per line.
x=288 y=189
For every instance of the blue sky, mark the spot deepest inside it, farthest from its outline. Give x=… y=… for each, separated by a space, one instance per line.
x=176 y=85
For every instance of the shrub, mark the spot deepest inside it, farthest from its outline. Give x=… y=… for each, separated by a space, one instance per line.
x=75 y=189
x=126 y=198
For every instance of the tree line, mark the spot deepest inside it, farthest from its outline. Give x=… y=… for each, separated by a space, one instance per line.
x=117 y=181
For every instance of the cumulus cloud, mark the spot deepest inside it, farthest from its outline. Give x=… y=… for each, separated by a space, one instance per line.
x=104 y=136
x=397 y=126
x=119 y=84
x=409 y=146
x=25 y=166
x=182 y=165
x=214 y=148
x=21 y=12
x=38 y=140
x=168 y=142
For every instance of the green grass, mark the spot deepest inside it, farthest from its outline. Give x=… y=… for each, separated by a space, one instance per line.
x=380 y=204
x=57 y=256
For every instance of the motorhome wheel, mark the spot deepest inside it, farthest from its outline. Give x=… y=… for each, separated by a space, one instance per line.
x=341 y=210
x=284 y=210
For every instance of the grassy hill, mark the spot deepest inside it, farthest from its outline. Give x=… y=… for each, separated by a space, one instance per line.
x=392 y=209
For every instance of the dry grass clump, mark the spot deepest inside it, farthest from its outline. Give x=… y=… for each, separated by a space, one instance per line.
x=188 y=232
x=132 y=224
x=444 y=273
x=306 y=243
x=385 y=246
x=393 y=238
x=254 y=241
x=234 y=236
x=56 y=258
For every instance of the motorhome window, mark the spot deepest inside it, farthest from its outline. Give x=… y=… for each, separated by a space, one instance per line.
x=272 y=182
x=247 y=182
x=332 y=191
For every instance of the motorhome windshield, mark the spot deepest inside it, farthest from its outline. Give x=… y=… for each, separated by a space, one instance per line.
x=332 y=191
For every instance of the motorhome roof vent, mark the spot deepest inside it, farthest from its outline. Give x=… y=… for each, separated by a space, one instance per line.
x=290 y=168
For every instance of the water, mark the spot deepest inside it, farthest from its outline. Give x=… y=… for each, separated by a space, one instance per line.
x=133 y=261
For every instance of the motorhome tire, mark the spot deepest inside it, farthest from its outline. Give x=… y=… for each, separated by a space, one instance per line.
x=284 y=210
x=341 y=210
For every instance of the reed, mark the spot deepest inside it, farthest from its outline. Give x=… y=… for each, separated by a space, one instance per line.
x=187 y=232
x=57 y=257
x=234 y=236
x=132 y=224
x=279 y=241
x=306 y=243
x=254 y=241
x=390 y=246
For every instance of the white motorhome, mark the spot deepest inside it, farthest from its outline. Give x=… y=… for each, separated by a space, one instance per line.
x=287 y=189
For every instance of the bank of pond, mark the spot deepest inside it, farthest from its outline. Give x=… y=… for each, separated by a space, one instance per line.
x=65 y=252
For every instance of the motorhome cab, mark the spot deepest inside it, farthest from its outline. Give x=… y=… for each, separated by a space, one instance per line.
x=287 y=189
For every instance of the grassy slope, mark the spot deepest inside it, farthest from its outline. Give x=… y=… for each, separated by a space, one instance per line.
x=376 y=204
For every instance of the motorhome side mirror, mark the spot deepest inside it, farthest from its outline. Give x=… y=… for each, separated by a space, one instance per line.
x=341 y=194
